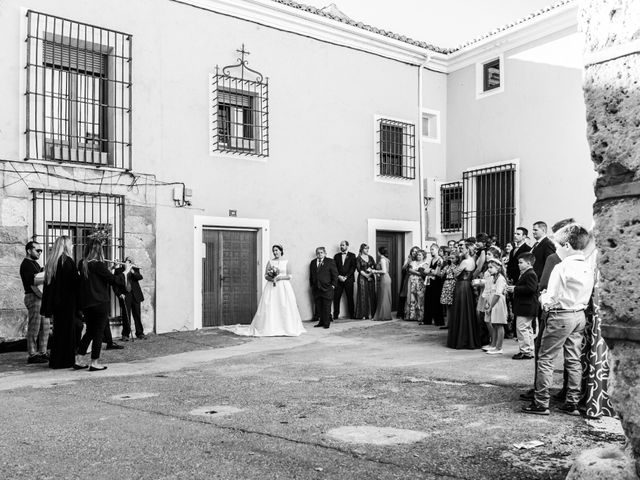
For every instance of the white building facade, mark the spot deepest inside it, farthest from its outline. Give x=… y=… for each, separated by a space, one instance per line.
x=200 y=132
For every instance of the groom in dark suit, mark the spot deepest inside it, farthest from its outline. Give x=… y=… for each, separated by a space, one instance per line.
x=346 y=265
x=323 y=277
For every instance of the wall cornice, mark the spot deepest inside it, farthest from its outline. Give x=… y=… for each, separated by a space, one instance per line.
x=280 y=16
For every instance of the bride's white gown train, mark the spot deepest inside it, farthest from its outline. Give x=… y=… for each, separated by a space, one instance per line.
x=277 y=313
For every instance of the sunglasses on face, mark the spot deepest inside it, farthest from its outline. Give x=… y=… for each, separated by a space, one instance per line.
x=39 y=250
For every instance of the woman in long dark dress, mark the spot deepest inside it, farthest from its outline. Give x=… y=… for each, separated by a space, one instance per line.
x=366 y=286
x=383 y=308
x=59 y=301
x=95 y=297
x=463 y=326
x=433 y=311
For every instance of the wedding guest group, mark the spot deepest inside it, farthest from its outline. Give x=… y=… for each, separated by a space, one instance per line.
x=71 y=294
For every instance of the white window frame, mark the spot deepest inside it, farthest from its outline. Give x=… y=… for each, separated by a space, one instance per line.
x=376 y=154
x=480 y=92
x=433 y=118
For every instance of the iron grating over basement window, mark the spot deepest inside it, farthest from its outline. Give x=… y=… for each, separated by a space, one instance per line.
x=451 y=207
x=396 y=148
x=78 y=92
x=77 y=215
x=490 y=201
x=240 y=111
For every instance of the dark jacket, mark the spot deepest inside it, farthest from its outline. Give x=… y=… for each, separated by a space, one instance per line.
x=541 y=251
x=132 y=280
x=323 y=280
x=525 y=295
x=549 y=264
x=95 y=289
x=60 y=296
x=513 y=272
x=28 y=270
x=349 y=268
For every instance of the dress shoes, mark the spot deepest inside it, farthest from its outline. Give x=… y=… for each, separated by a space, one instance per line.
x=114 y=346
x=325 y=326
x=79 y=367
x=318 y=325
x=37 y=358
x=97 y=369
x=141 y=337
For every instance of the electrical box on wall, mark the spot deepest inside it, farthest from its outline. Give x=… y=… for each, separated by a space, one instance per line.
x=430 y=188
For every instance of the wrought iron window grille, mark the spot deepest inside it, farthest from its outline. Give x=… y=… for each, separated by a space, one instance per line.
x=490 y=201
x=395 y=149
x=78 y=92
x=78 y=215
x=451 y=207
x=240 y=110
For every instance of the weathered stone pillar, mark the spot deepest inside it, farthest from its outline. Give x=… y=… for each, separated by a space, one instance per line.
x=612 y=96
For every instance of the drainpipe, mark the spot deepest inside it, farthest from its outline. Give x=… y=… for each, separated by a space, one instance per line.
x=423 y=227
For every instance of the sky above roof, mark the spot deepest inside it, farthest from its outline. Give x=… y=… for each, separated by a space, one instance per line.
x=444 y=23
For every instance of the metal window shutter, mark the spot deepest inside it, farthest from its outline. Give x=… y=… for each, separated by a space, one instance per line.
x=73 y=58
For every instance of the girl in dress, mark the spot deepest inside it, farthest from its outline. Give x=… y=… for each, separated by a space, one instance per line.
x=383 y=308
x=415 y=312
x=495 y=304
x=277 y=313
x=481 y=285
x=366 y=284
x=448 y=285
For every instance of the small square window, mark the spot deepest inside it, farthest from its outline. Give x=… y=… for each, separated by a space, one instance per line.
x=431 y=125
x=491 y=75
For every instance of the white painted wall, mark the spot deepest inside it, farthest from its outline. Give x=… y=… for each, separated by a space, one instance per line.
x=316 y=187
x=540 y=119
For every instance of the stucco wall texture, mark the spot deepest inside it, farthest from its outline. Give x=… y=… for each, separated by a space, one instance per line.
x=612 y=97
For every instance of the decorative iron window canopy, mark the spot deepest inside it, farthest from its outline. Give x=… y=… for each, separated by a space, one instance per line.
x=243 y=65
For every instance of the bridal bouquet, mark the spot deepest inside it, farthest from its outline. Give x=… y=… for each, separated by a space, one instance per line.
x=272 y=273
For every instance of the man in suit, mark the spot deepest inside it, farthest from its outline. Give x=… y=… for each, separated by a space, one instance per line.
x=519 y=246
x=323 y=277
x=346 y=265
x=542 y=248
x=525 y=305
x=130 y=299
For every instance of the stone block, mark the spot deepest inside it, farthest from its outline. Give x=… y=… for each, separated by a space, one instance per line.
x=599 y=18
x=11 y=255
x=13 y=324
x=625 y=388
x=14 y=234
x=14 y=211
x=603 y=464
x=11 y=287
x=618 y=239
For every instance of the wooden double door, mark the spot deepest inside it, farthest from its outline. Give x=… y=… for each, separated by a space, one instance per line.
x=229 y=276
x=394 y=242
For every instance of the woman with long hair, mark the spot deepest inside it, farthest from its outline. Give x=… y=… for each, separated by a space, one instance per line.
x=463 y=326
x=59 y=301
x=95 y=299
x=366 y=292
x=383 y=309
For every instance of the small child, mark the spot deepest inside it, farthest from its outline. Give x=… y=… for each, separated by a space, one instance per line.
x=525 y=305
x=495 y=304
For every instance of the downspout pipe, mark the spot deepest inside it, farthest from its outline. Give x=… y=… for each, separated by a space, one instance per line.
x=423 y=227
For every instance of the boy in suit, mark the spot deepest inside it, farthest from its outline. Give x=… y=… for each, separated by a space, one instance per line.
x=525 y=305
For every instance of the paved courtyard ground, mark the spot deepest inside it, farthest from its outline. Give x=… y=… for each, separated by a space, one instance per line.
x=208 y=404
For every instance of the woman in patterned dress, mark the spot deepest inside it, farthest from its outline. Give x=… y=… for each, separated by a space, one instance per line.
x=416 y=288
x=448 y=285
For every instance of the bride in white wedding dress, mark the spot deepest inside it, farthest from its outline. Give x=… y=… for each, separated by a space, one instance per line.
x=277 y=313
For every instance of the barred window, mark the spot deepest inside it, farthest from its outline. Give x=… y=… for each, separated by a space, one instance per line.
x=77 y=214
x=489 y=201
x=239 y=111
x=78 y=92
x=396 y=149
x=451 y=207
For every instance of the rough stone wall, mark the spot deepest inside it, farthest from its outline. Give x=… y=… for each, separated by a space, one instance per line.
x=16 y=218
x=612 y=96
